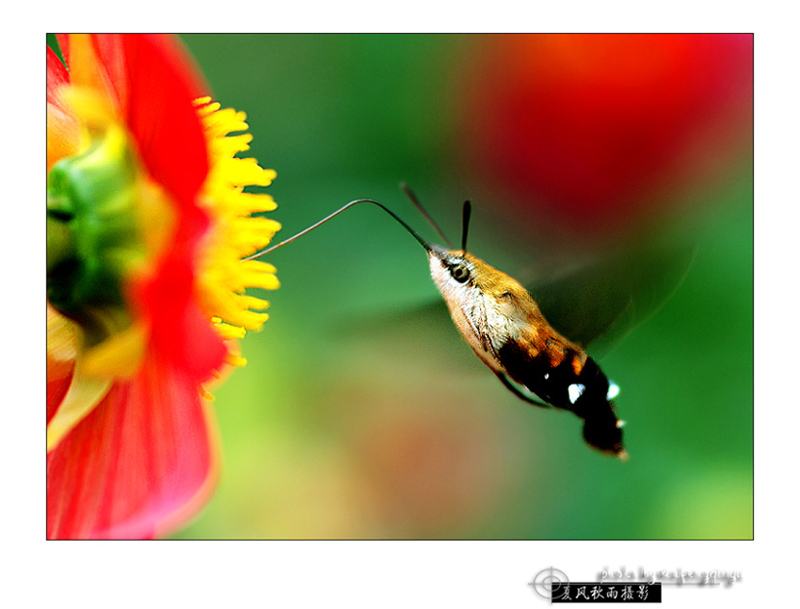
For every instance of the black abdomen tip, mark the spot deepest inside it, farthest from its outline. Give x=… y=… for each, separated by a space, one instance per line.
x=605 y=433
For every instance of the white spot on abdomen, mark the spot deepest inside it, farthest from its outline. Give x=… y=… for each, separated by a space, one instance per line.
x=575 y=391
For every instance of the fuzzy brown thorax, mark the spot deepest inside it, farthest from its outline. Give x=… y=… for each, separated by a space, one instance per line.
x=490 y=308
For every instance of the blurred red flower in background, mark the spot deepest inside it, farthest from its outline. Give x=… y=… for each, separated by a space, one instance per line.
x=146 y=228
x=597 y=130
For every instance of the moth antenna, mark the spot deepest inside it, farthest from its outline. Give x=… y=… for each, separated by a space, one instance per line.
x=465 y=224
x=410 y=194
x=272 y=248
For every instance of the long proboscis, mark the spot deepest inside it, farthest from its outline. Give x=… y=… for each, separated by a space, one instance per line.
x=272 y=248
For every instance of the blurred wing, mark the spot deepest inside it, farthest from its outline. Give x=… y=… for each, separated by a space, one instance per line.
x=599 y=304
x=595 y=305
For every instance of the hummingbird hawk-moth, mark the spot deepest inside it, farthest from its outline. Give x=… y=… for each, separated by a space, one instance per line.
x=506 y=329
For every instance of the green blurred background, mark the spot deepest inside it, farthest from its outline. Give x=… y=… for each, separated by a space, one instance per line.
x=361 y=412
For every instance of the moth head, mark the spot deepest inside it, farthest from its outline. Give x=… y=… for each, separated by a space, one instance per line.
x=456 y=272
x=467 y=282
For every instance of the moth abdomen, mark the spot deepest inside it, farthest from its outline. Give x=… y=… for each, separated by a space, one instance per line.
x=571 y=381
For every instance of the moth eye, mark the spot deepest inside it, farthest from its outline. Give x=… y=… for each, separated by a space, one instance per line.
x=460 y=273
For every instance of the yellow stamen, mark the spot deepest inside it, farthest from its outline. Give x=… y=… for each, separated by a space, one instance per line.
x=235 y=232
x=235 y=360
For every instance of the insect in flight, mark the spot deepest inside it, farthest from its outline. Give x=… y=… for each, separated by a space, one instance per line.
x=506 y=329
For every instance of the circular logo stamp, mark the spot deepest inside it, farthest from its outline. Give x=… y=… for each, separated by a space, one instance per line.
x=549 y=583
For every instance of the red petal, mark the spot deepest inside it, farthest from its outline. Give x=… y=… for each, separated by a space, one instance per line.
x=56 y=390
x=155 y=84
x=63 y=43
x=138 y=465
x=57 y=76
x=179 y=330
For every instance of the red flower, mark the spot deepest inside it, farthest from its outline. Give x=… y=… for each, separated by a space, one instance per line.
x=597 y=129
x=147 y=225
